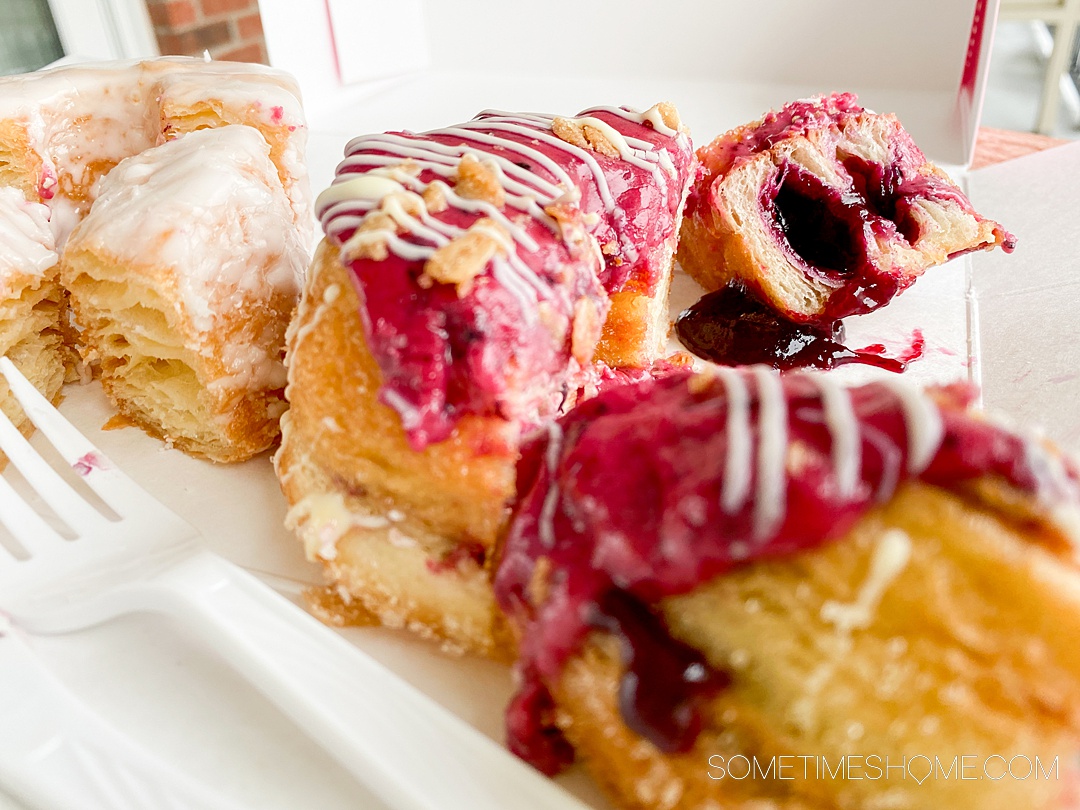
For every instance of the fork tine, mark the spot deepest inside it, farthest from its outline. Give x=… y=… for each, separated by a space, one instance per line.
x=54 y=490
x=99 y=473
x=23 y=522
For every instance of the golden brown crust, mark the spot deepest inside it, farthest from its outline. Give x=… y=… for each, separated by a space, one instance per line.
x=132 y=335
x=30 y=315
x=346 y=469
x=968 y=652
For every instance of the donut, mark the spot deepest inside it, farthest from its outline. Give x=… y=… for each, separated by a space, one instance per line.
x=458 y=302
x=823 y=210
x=183 y=277
x=64 y=128
x=714 y=575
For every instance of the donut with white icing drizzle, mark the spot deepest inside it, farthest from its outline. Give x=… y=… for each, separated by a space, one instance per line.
x=607 y=186
x=649 y=515
x=474 y=282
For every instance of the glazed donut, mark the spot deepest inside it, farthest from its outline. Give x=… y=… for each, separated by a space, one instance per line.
x=824 y=210
x=457 y=302
x=738 y=564
x=63 y=129
x=183 y=277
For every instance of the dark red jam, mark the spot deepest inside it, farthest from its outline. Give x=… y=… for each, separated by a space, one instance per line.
x=732 y=328
x=653 y=663
x=500 y=349
x=622 y=503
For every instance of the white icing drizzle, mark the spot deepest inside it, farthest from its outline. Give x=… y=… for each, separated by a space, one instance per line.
x=844 y=431
x=890 y=462
x=891 y=556
x=382 y=190
x=651 y=115
x=342 y=207
x=770 y=501
x=737 y=465
x=431 y=152
x=519 y=127
x=923 y=424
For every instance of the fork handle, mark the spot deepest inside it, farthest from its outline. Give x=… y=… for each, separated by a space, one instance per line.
x=56 y=754
x=410 y=751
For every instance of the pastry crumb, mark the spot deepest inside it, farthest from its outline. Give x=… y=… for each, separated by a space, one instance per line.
x=578 y=133
x=477 y=180
x=435 y=198
x=463 y=259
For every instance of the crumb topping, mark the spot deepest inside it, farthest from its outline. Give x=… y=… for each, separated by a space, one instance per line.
x=435 y=198
x=583 y=135
x=460 y=261
x=476 y=180
x=668 y=114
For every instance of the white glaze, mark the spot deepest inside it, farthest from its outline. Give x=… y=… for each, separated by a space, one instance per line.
x=77 y=116
x=26 y=242
x=739 y=460
x=324 y=519
x=923 y=420
x=844 y=433
x=208 y=213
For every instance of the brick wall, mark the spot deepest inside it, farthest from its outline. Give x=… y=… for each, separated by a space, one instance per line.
x=229 y=29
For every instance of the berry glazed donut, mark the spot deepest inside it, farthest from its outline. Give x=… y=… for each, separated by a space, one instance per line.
x=471 y=280
x=733 y=567
x=824 y=210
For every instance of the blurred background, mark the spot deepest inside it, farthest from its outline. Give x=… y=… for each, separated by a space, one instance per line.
x=1033 y=82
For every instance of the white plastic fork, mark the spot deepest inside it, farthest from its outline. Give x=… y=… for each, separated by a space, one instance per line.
x=408 y=750
x=58 y=755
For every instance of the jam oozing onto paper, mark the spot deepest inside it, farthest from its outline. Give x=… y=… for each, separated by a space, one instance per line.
x=731 y=328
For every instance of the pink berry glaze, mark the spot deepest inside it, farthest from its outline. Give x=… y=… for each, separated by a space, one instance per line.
x=628 y=500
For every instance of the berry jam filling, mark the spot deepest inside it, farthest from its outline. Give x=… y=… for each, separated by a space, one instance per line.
x=653 y=489
x=824 y=227
x=665 y=681
x=731 y=328
x=886 y=194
